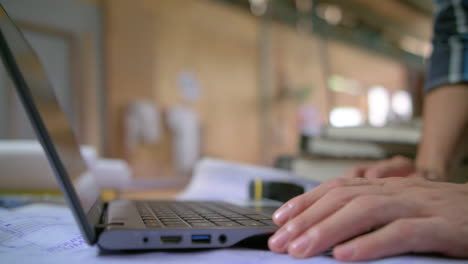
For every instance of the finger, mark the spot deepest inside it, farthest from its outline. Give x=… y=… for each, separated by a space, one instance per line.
x=324 y=207
x=357 y=171
x=358 y=216
x=401 y=236
x=298 y=204
x=395 y=167
x=403 y=184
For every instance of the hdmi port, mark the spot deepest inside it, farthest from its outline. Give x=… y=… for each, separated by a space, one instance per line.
x=171 y=239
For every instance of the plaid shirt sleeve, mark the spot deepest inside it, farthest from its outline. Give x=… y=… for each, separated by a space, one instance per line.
x=448 y=63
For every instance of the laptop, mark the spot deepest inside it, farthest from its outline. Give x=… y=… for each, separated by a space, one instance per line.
x=117 y=224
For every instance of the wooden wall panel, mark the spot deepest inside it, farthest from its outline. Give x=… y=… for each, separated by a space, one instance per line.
x=368 y=67
x=296 y=67
x=129 y=32
x=150 y=43
x=223 y=58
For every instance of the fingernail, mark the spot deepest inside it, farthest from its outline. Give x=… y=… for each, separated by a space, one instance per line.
x=300 y=246
x=344 y=252
x=279 y=239
x=303 y=246
x=282 y=214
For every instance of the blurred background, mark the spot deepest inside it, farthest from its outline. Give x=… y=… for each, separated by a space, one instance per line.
x=311 y=86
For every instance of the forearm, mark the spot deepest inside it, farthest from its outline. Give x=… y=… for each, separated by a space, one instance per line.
x=445 y=132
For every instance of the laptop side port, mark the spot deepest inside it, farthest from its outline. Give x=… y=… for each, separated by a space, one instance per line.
x=170 y=239
x=201 y=239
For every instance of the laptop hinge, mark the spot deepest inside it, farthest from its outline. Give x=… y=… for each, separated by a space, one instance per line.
x=102 y=224
x=99 y=228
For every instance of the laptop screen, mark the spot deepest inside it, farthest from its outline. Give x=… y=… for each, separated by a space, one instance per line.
x=49 y=122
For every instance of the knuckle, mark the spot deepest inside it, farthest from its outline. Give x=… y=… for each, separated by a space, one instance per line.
x=375 y=172
x=318 y=233
x=339 y=193
x=401 y=159
x=296 y=225
x=408 y=183
x=337 y=182
x=368 y=202
x=296 y=202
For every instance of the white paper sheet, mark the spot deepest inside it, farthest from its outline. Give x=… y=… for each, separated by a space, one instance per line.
x=215 y=179
x=38 y=232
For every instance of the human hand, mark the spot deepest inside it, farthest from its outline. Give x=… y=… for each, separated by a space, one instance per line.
x=408 y=215
x=397 y=166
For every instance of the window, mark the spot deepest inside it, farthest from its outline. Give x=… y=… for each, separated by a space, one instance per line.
x=379 y=105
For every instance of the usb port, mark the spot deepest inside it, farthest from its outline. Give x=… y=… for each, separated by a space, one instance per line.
x=201 y=239
x=171 y=239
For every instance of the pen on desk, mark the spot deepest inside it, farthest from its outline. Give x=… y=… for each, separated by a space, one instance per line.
x=258 y=193
x=281 y=191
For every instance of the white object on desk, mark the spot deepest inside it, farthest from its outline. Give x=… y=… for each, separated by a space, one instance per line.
x=112 y=173
x=215 y=179
x=24 y=166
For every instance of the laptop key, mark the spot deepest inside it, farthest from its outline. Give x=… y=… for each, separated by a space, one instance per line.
x=197 y=221
x=176 y=225
x=250 y=223
x=216 y=217
x=172 y=222
x=239 y=218
x=192 y=218
x=221 y=220
x=227 y=224
x=258 y=217
x=207 y=224
x=268 y=222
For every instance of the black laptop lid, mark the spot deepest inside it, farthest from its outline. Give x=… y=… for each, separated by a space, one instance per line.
x=51 y=126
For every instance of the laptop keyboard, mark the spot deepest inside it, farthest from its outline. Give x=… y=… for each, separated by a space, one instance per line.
x=173 y=214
